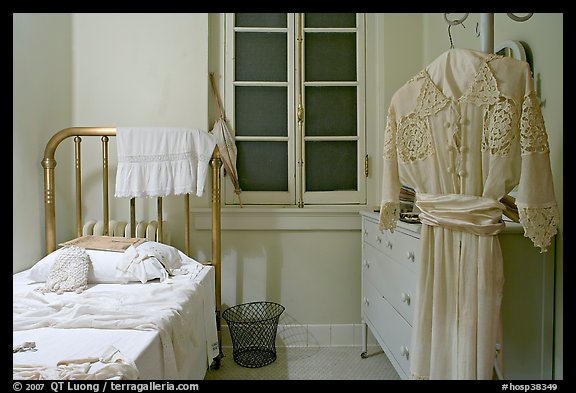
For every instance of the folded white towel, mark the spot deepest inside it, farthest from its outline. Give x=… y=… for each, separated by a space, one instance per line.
x=161 y=161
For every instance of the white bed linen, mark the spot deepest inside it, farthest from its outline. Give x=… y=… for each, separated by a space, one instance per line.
x=194 y=344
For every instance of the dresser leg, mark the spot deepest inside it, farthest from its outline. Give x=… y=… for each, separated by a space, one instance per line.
x=364 y=353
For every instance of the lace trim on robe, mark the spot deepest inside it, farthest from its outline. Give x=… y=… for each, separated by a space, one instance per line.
x=421 y=74
x=389 y=215
x=484 y=89
x=430 y=100
x=540 y=224
x=498 y=133
x=533 y=137
x=414 y=137
x=501 y=112
x=389 y=136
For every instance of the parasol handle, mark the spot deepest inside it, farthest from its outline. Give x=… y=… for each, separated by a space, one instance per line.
x=216 y=96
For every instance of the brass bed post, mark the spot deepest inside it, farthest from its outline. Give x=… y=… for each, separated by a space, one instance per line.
x=78 y=164
x=132 y=217
x=49 y=163
x=159 y=208
x=187 y=224
x=216 y=163
x=105 y=230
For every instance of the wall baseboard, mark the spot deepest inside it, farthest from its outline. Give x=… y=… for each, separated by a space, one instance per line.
x=342 y=335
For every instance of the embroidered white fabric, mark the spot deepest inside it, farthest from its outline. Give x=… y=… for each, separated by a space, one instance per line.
x=162 y=161
x=389 y=215
x=506 y=123
x=70 y=271
x=114 y=366
x=533 y=136
x=468 y=124
x=540 y=224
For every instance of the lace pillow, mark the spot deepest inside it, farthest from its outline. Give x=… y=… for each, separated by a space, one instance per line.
x=69 y=272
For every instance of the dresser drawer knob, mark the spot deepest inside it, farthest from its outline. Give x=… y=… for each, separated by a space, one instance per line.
x=378 y=239
x=389 y=244
x=404 y=351
x=405 y=298
x=366 y=264
x=366 y=302
x=410 y=255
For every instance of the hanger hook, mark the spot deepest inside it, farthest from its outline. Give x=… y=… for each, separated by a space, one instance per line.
x=455 y=21
x=520 y=18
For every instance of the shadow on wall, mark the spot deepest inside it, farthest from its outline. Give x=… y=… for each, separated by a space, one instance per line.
x=251 y=271
x=291 y=333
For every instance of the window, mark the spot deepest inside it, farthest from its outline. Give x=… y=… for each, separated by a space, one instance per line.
x=294 y=94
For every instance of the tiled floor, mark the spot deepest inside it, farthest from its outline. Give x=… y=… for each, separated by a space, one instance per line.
x=311 y=363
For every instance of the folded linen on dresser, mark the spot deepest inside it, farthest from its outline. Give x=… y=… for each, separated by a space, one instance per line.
x=161 y=161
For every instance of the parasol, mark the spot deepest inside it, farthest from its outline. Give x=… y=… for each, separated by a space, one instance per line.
x=225 y=141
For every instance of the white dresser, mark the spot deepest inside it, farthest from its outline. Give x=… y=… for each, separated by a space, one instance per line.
x=389 y=269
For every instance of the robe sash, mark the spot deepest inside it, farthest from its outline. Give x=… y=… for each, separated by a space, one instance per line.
x=478 y=215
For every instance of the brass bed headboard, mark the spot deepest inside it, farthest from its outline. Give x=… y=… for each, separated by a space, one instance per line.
x=49 y=163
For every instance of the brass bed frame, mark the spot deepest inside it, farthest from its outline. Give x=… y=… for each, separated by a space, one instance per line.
x=49 y=163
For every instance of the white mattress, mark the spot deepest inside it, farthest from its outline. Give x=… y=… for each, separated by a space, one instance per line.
x=142 y=347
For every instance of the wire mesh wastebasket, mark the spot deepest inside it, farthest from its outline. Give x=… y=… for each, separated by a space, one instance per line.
x=253 y=329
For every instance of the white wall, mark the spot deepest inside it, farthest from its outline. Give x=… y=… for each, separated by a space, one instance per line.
x=543 y=34
x=148 y=69
x=42 y=105
x=98 y=70
x=145 y=69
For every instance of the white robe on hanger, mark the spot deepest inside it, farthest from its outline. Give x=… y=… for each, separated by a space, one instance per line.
x=463 y=133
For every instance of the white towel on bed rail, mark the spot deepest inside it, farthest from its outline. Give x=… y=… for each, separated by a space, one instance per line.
x=161 y=161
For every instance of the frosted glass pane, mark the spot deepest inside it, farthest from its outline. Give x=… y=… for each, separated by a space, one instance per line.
x=262 y=166
x=329 y=19
x=331 y=166
x=261 y=111
x=261 y=20
x=330 y=56
x=261 y=57
x=330 y=111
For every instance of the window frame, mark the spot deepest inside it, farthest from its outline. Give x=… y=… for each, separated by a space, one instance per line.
x=294 y=146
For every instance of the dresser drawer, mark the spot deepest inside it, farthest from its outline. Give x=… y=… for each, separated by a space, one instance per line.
x=394 y=282
x=399 y=245
x=391 y=329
